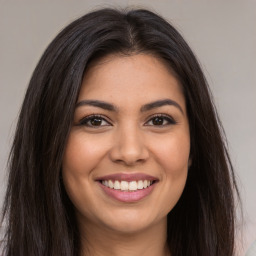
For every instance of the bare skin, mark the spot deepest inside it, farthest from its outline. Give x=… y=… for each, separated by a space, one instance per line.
x=130 y=120
x=102 y=242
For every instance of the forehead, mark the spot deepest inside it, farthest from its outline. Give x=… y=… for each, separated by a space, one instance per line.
x=137 y=77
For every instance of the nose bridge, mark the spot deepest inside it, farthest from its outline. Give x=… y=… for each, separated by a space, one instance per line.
x=129 y=146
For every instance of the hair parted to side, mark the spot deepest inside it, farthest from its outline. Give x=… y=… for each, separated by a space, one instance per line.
x=40 y=217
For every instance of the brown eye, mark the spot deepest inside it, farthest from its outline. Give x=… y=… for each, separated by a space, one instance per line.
x=94 y=121
x=158 y=121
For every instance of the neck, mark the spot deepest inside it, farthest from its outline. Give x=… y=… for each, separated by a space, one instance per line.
x=101 y=241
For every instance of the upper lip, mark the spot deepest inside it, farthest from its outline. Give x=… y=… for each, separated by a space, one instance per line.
x=127 y=177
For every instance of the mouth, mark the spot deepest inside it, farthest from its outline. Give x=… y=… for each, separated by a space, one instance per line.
x=130 y=186
x=127 y=187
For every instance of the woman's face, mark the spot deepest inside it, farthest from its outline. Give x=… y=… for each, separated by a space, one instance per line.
x=127 y=156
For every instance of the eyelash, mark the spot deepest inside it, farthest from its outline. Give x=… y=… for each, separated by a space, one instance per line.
x=169 y=119
x=84 y=121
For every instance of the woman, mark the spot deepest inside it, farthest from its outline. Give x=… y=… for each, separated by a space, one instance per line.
x=118 y=149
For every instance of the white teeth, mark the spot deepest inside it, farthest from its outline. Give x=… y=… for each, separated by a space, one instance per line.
x=117 y=185
x=133 y=185
x=140 y=184
x=124 y=185
x=127 y=186
x=110 y=184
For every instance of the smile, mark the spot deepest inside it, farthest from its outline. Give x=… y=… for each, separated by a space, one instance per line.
x=127 y=185
x=127 y=188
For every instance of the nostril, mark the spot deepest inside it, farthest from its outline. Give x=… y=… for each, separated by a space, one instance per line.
x=128 y=149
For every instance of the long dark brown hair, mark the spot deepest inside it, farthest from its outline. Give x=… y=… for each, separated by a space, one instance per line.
x=39 y=215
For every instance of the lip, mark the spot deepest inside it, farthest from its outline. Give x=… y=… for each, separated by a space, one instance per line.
x=127 y=177
x=127 y=196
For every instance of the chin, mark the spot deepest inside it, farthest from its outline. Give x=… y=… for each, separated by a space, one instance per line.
x=130 y=221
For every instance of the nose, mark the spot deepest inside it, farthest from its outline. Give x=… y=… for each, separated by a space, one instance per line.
x=129 y=147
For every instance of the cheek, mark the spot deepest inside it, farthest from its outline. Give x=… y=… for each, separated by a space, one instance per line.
x=82 y=154
x=80 y=158
x=173 y=154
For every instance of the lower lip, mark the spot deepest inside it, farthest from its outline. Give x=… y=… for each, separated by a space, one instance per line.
x=128 y=196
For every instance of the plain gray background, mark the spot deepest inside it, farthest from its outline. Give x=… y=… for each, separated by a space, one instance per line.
x=221 y=33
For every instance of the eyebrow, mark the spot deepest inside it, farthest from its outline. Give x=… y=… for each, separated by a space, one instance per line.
x=97 y=103
x=160 y=103
x=144 y=108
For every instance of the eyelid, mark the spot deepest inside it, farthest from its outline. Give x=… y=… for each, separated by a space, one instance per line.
x=83 y=120
x=169 y=118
